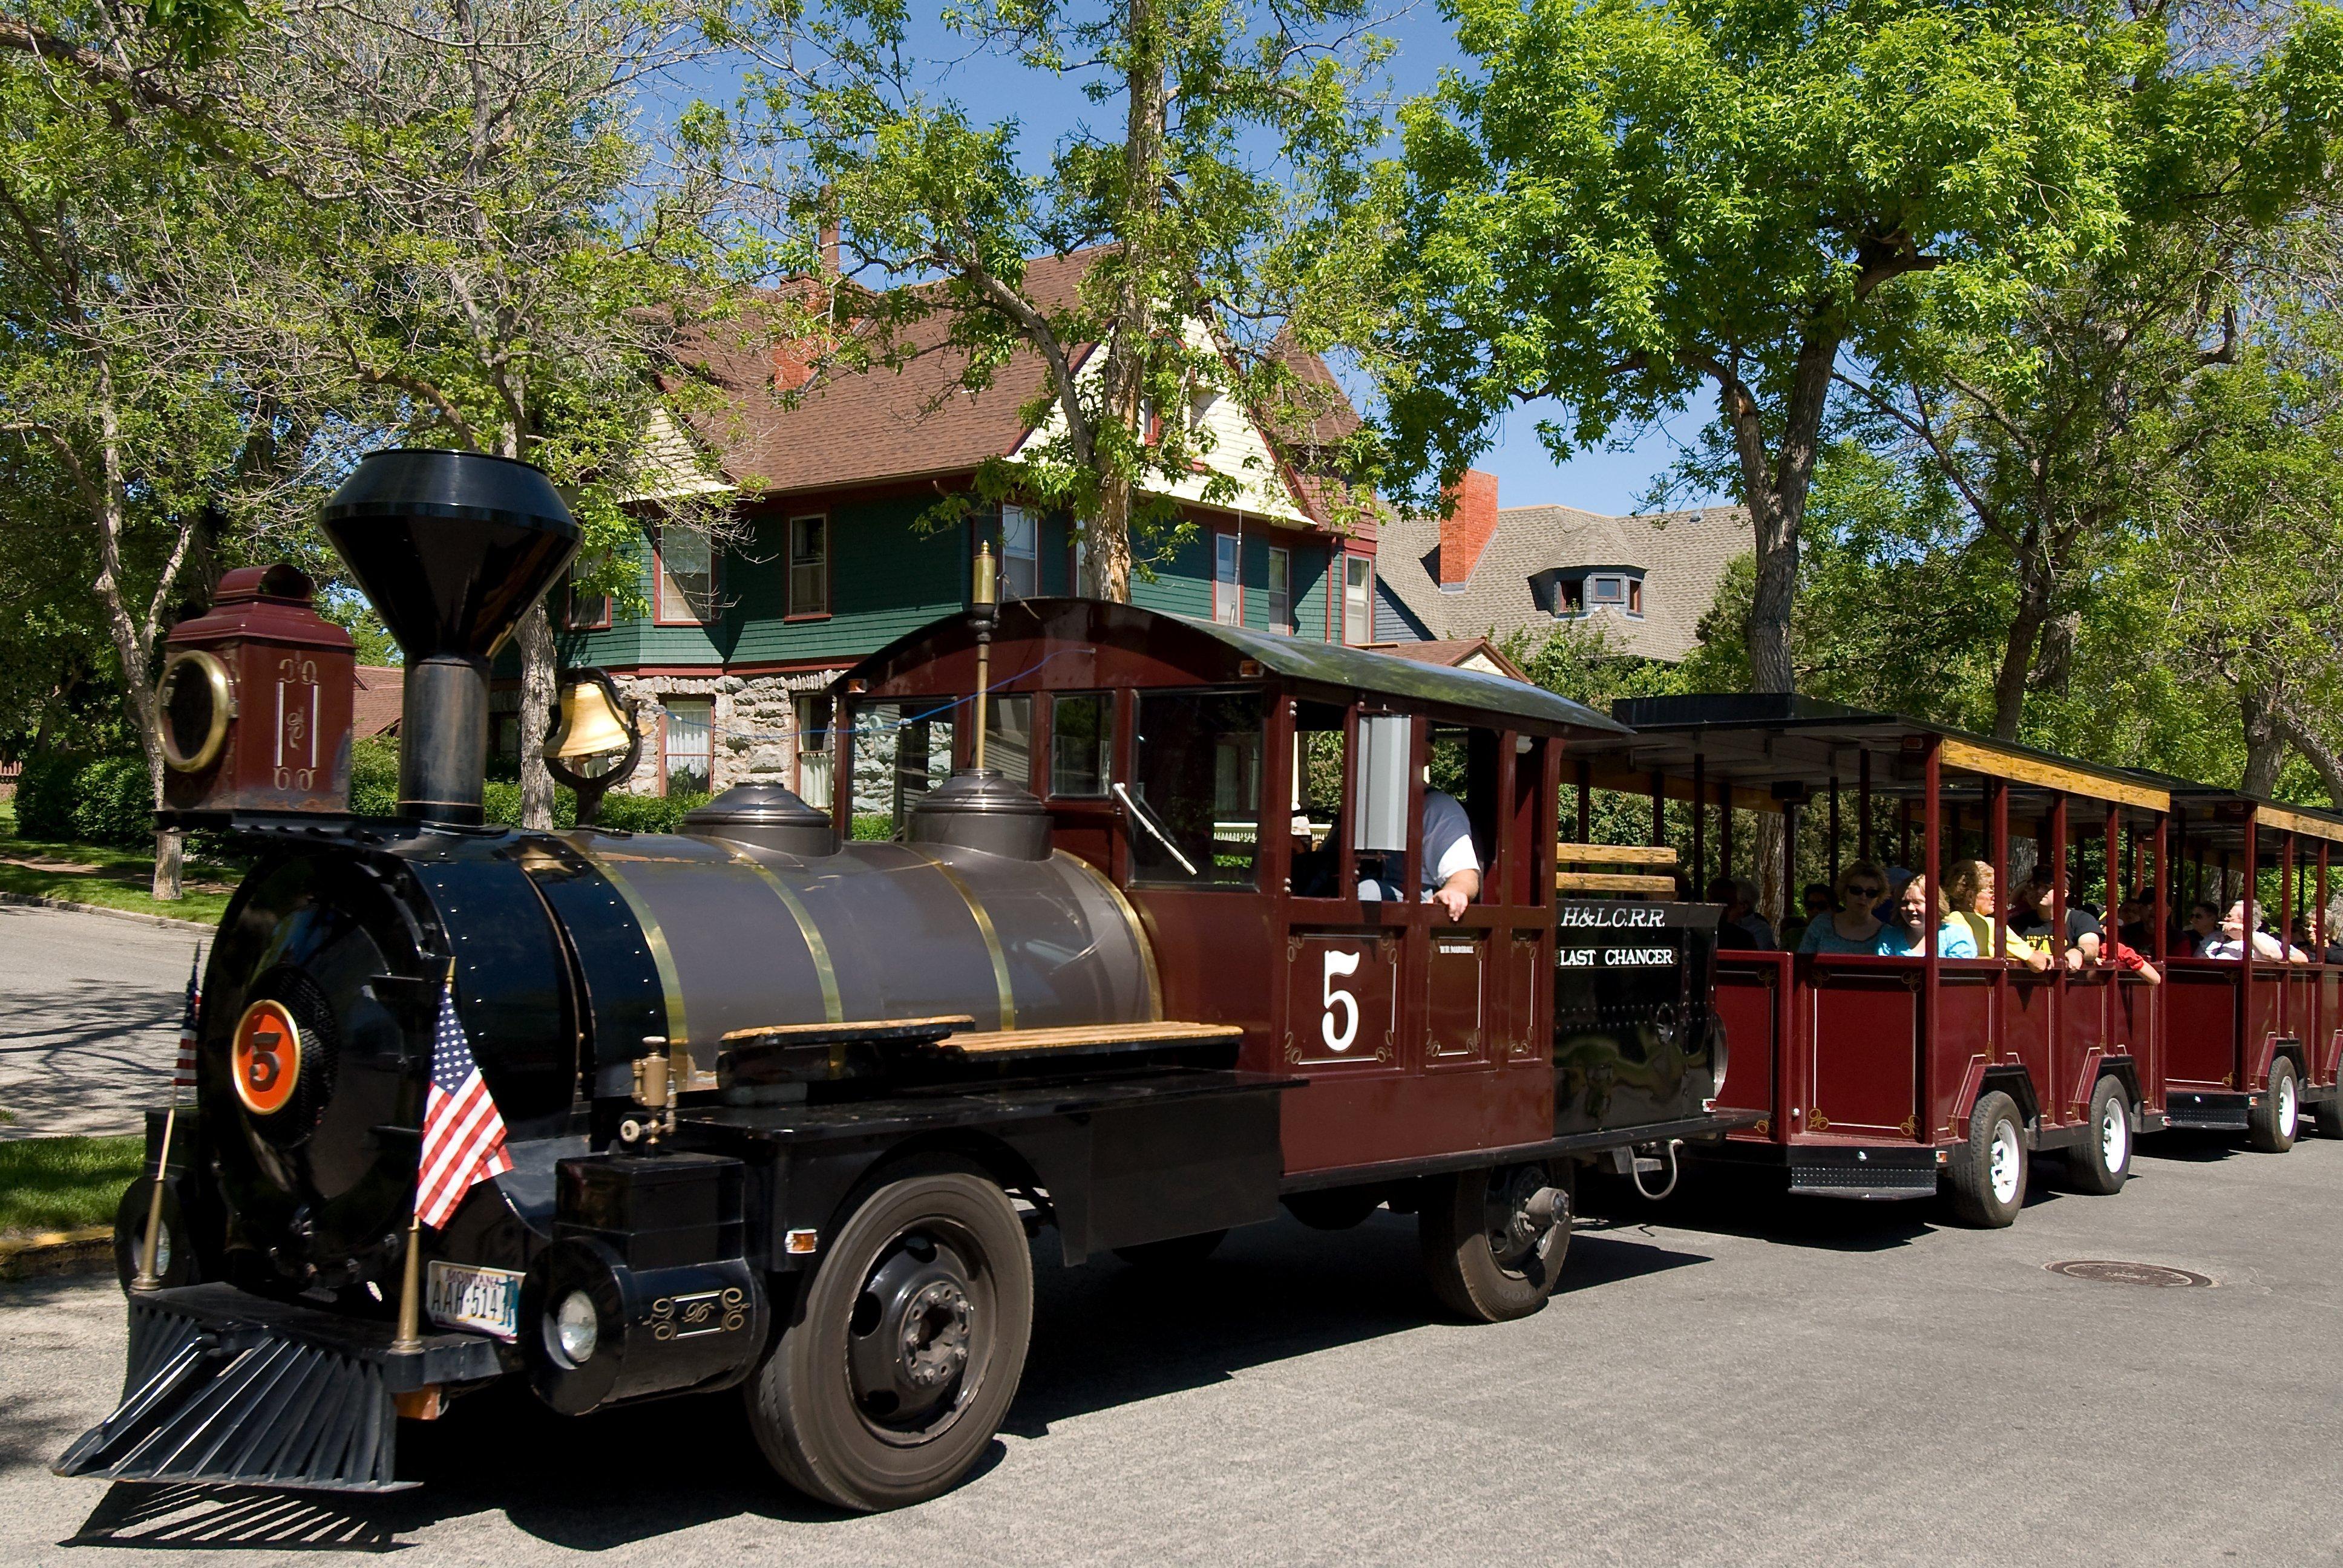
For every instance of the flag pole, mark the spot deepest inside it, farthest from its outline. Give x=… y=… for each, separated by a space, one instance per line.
x=410 y=1283
x=146 y=1279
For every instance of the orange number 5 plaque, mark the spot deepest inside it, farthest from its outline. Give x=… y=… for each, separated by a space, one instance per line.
x=267 y=1057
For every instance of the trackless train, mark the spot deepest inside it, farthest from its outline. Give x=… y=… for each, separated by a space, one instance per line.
x=783 y=1111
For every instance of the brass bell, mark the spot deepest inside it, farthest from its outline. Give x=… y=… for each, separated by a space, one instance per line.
x=592 y=724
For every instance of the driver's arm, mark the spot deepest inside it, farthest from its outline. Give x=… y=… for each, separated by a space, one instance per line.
x=1458 y=892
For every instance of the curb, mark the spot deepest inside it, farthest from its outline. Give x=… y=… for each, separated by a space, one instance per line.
x=88 y=1250
x=42 y=902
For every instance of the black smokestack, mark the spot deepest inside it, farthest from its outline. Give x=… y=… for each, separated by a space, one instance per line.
x=452 y=548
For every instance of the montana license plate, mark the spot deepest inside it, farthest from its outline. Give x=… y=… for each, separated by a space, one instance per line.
x=487 y=1300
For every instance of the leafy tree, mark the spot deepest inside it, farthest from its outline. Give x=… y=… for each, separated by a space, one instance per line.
x=1225 y=191
x=1630 y=202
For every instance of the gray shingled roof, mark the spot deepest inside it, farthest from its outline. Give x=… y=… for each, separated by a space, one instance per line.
x=1683 y=557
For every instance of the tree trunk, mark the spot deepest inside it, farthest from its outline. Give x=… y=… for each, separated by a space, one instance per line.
x=1134 y=316
x=2315 y=751
x=2024 y=636
x=537 y=676
x=1773 y=487
x=2265 y=745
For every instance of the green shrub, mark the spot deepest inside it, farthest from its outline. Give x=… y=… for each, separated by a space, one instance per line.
x=873 y=826
x=105 y=801
x=374 y=777
x=647 y=813
x=374 y=792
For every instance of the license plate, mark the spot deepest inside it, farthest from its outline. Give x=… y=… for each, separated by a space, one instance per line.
x=462 y=1297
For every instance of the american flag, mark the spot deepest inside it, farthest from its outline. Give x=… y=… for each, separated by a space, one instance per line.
x=183 y=1076
x=463 y=1135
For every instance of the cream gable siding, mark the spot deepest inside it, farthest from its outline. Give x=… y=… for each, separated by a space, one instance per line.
x=673 y=465
x=1240 y=450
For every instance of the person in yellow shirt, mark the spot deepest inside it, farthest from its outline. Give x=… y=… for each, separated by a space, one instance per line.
x=1970 y=887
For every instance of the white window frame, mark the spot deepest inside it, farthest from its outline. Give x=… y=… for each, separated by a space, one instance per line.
x=1228 y=579
x=670 y=756
x=1029 y=557
x=811 y=718
x=1279 y=589
x=1359 y=630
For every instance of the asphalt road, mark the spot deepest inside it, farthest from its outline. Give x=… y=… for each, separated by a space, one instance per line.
x=89 y=1018
x=1729 y=1380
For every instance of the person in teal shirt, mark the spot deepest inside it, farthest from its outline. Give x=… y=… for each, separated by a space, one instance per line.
x=1954 y=939
x=1856 y=927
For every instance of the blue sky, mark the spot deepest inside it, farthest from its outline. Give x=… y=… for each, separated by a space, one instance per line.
x=1526 y=473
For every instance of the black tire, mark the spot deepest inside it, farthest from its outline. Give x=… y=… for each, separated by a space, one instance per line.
x=2328 y=1116
x=1989 y=1171
x=1484 y=1257
x=1335 y=1209
x=1172 y=1252
x=932 y=1262
x=2101 y=1163
x=2276 y=1118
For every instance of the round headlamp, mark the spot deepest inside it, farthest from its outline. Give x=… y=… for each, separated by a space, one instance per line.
x=573 y=1330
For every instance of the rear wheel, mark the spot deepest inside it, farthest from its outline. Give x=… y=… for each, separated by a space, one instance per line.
x=2101 y=1163
x=2271 y=1124
x=904 y=1348
x=1175 y=1253
x=1493 y=1240
x=2328 y=1115
x=1989 y=1171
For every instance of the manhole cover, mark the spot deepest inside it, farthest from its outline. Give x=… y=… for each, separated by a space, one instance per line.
x=2112 y=1273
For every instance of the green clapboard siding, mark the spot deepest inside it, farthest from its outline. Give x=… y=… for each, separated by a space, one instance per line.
x=890 y=577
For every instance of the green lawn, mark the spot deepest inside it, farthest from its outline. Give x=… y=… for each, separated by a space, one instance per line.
x=64 y=1183
x=116 y=878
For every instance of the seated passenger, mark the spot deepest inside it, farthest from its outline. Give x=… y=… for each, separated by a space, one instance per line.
x=2204 y=926
x=1815 y=904
x=1452 y=866
x=1855 y=927
x=1741 y=927
x=2232 y=942
x=2030 y=919
x=1953 y=938
x=1970 y=887
x=2132 y=915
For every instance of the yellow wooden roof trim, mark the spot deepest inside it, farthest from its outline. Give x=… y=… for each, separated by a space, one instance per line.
x=2268 y=817
x=1974 y=756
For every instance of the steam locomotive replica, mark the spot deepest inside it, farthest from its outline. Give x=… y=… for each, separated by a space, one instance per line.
x=785 y=1112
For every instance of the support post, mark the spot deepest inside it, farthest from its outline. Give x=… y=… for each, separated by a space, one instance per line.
x=1863 y=807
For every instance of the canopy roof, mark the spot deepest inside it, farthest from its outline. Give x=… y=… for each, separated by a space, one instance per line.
x=2218 y=816
x=1772 y=748
x=1204 y=652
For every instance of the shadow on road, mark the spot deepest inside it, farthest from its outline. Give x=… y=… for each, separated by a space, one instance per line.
x=2191 y=1146
x=1105 y=1335
x=1734 y=1201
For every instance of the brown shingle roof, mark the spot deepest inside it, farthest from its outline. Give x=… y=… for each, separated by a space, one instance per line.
x=884 y=424
x=1682 y=555
x=375 y=698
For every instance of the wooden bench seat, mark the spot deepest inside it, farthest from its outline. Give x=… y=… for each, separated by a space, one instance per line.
x=1094 y=1036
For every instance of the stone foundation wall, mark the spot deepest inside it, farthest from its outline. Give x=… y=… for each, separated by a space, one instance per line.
x=754 y=728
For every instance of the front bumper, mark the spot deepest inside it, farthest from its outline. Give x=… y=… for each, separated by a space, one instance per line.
x=225 y=1388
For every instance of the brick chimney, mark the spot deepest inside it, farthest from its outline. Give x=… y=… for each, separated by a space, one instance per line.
x=1469 y=523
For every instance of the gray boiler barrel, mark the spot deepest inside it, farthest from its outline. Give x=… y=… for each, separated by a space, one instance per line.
x=748 y=937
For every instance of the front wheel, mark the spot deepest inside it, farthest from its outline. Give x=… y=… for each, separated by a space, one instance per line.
x=2271 y=1124
x=2102 y=1161
x=1493 y=1240
x=904 y=1348
x=1989 y=1171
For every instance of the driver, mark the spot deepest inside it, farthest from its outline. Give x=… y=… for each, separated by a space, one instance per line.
x=1452 y=869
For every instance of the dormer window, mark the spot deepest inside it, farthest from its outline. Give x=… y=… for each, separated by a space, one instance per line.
x=1606 y=590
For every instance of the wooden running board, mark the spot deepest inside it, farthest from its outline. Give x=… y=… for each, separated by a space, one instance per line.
x=1000 y=1042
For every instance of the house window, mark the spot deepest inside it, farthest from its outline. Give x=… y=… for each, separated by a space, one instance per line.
x=809 y=566
x=1571 y=599
x=1085 y=577
x=1280 y=591
x=1606 y=590
x=1020 y=554
x=583 y=611
x=1635 y=595
x=504 y=746
x=1358 y=600
x=686 y=576
x=1008 y=737
x=1081 y=742
x=691 y=727
x=812 y=714
x=1228 y=594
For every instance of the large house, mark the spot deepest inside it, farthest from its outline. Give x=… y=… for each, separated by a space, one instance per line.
x=1487 y=571
x=834 y=557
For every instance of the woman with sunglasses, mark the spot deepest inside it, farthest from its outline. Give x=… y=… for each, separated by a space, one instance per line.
x=1856 y=927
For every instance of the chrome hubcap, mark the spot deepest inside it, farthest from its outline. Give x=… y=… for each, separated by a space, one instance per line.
x=2004 y=1165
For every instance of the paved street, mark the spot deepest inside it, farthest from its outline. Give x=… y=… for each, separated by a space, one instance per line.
x=89 y=1018
x=1745 y=1384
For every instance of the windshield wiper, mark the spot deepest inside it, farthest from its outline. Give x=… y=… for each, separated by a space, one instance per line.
x=1147 y=821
